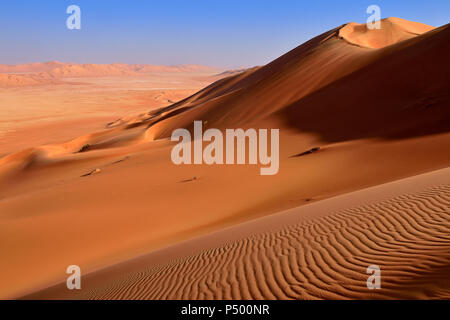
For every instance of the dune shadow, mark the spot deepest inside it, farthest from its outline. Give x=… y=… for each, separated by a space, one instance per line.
x=403 y=94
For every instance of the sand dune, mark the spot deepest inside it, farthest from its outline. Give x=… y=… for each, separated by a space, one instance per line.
x=18 y=80
x=30 y=67
x=371 y=118
x=318 y=251
x=101 y=70
x=392 y=31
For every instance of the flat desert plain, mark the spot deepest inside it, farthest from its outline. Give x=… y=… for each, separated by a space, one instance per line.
x=364 y=123
x=58 y=108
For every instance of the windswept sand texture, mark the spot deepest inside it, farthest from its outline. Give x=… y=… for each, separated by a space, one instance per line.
x=52 y=72
x=377 y=104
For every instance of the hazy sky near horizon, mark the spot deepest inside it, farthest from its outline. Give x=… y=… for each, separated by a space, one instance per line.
x=222 y=33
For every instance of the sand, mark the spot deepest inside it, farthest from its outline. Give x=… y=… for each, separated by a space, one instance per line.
x=376 y=121
x=317 y=251
x=33 y=115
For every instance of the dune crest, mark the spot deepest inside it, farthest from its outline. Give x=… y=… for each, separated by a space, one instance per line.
x=393 y=30
x=23 y=80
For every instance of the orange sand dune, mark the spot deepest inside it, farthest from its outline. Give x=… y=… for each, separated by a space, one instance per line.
x=99 y=70
x=375 y=118
x=317 y=251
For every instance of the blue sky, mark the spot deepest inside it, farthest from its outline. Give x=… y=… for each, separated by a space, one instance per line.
x=223 y=33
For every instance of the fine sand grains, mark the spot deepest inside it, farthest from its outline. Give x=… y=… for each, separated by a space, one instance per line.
x=408 y=236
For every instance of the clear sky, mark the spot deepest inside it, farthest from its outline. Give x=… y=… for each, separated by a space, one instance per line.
x=223 y=33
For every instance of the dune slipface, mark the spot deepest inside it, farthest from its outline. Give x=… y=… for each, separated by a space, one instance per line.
x=363 y=174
